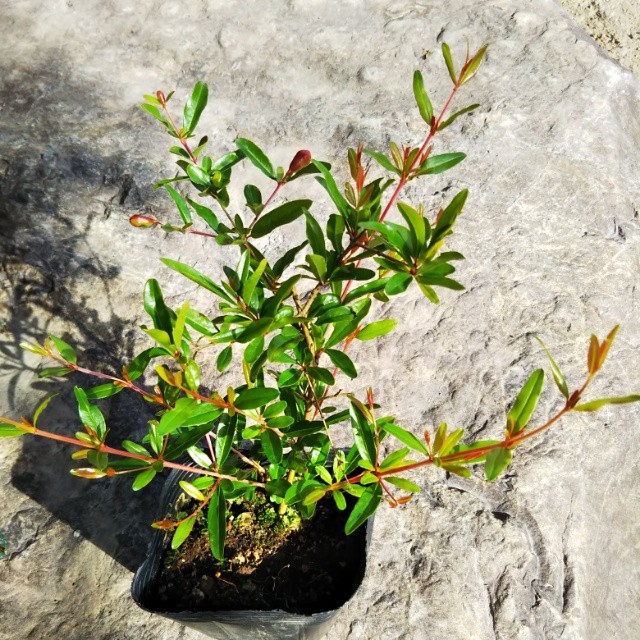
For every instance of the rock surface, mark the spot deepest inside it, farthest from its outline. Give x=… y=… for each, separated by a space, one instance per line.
x=613 y=24
x=552 y=239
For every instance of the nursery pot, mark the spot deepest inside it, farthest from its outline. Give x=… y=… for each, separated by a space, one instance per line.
x=247 y=623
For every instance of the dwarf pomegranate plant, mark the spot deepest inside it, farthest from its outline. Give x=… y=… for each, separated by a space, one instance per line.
x=289 y=323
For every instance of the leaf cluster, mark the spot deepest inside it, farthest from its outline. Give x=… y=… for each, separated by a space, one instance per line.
x=288 y=322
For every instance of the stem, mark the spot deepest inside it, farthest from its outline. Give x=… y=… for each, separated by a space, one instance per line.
x=183 y=141
x=291 y=476
x=318 y=407
x=266 y=204
x=159 y=400
x=401 y=183
x=469 y=455
x=126 y=454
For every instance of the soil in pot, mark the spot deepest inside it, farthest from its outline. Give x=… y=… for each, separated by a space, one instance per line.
x=271 y=562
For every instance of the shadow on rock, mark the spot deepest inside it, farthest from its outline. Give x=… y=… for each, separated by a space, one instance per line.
x=50 y=278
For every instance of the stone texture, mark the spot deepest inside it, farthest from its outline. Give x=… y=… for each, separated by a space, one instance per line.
x=552 y=239
x=613 y=24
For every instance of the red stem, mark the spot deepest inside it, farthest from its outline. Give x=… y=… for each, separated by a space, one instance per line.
x=126 y=454
x=183 y=141
x=363 y=237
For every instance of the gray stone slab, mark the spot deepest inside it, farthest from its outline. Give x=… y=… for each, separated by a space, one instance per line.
x=552 y=239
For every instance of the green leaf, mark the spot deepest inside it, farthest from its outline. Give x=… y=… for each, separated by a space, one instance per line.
x=315 y=235
x=195 y=106
x=281 y=422
x=90 y=415
x=329 y=184
x=252 y=281
x=383 y=161
x=594 y=405
x=206 y=214
x=470 y=447
x=255 y=397
x=224 y=438
x=395 y=459
x=254 y=349
x=458 y=469
x=103 y=391
x=41 y=407
x=10 y=430
x=143 y=479
x=162 y=338
x=406 y=437
x=558 y=377
x=186 y=440
x=217 y=523
x=187 y=413
x=438 y=441
x=134 y=447
x=340 y=500
x=283 y=262
x=403 y=484
x=314 y=496
x=442 y=162
x=272 y=446
x=253 y=197
x=321 y=375
x=497 y=461
x=450 y=442
x=181 y=203
x=224 y=358
x=438 y=281
x=178 y=328
x=182 y=532
x=198 y=175
x=341 y=360
x=227 y=160
x=197 y=277
x=192 y=375
x=318 y=266
x=363 y=434
x=155 y=112
x=49 y=372
x=139 y=364
x=154 y=305
x=470 y=71
x=255 y=329
x=200 y=458
x=335 y=231
x=192 y=491
x=324 y=473
x=364 y=508
x=256 y=156
x=422 y=99
x=397 y=284
x=289 y=377
x=525 y=403
x=64 y=350
x=37 y=349
x=337 y=314
x=446 y=52
x=594 y=351
x=420 y=230
x=370 y=287
x=299 y=490
x=284 y=214
x=376 y=329
x=448 y=217
x=451 y=119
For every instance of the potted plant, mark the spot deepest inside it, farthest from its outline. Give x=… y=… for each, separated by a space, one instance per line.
x=260 y=531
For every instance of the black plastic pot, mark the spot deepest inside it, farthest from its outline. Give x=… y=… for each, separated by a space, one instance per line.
x=234 y=625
